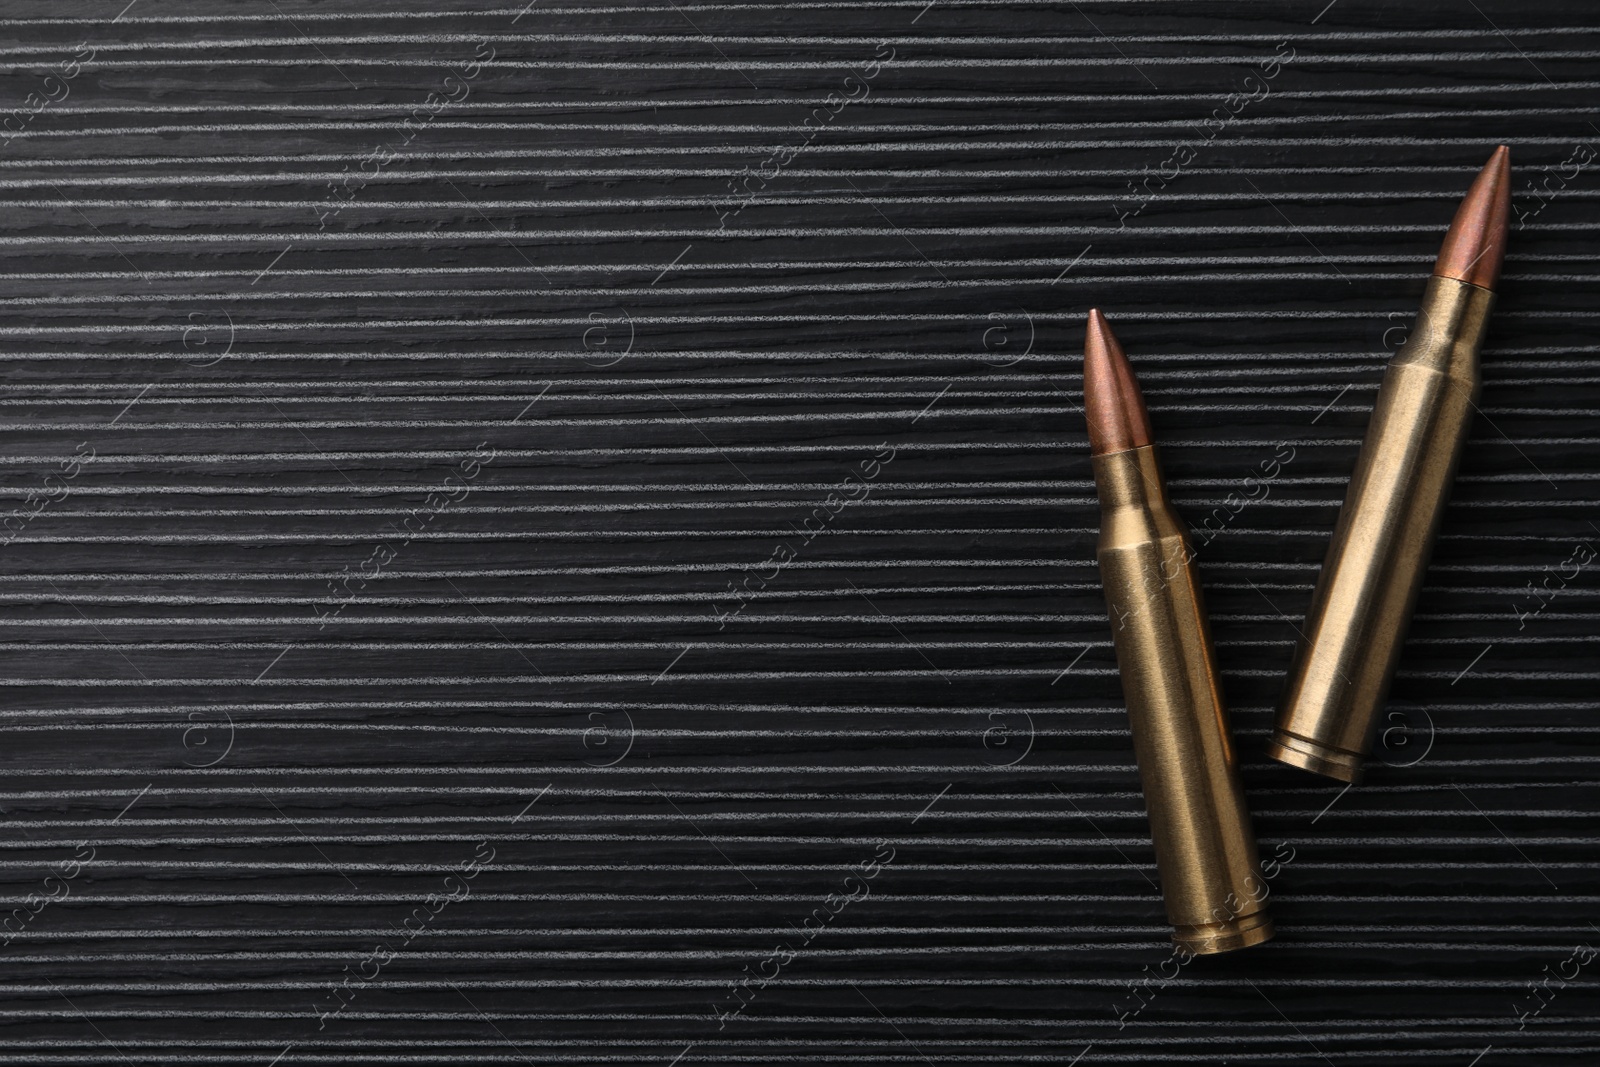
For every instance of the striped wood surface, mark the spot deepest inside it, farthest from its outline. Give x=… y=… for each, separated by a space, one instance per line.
x=393 y=398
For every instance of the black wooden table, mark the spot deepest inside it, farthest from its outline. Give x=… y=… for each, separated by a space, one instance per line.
x=564 y=534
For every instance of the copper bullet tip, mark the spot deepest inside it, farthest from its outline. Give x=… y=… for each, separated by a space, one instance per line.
x=1476 y=242
x=1112 y=402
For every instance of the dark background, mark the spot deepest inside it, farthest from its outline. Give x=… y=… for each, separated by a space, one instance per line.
x=269 y=397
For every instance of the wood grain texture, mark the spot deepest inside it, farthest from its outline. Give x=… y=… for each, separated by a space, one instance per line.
x=394 y=401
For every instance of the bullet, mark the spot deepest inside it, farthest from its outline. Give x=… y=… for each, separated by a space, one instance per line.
x=1368 y=588
x=1205 y=847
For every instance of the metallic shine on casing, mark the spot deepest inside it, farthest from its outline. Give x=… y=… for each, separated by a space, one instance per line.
x=1205 y=847
x=1375 y=564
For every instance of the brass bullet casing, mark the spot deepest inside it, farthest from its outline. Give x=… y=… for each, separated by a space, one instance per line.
x=1379 y=554
x=1369 y=583
x=1205 y=846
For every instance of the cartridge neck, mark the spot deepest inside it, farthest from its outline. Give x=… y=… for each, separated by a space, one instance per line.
x=1449 y=329
x=1131 y=477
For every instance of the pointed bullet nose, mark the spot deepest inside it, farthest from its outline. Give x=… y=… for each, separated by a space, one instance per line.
x=1475 y=245
x=1098 y=341
x=1112 y=402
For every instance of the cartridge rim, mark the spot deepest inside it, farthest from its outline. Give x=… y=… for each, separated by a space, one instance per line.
x=1317 y=758
x=1208 y=939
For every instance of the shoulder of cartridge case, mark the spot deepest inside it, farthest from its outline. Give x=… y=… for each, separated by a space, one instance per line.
x=1449 y=330
x=1133 y=498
